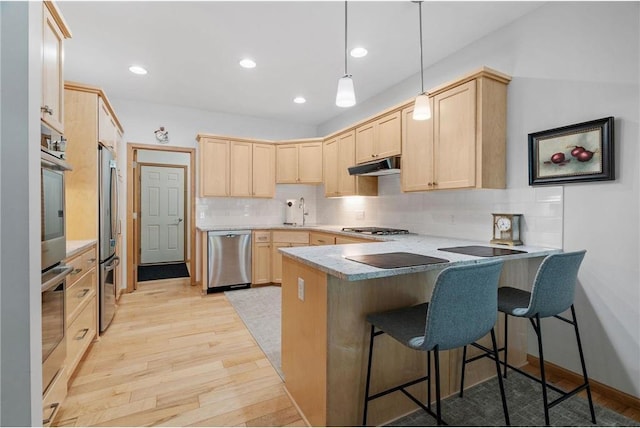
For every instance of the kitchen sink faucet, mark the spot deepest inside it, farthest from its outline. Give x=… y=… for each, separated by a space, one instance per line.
x=304 y=209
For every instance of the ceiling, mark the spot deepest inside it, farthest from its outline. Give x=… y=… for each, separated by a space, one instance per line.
x=191 y=49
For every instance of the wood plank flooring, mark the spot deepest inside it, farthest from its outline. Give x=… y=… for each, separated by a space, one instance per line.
x=172 y=357
x=175 y=358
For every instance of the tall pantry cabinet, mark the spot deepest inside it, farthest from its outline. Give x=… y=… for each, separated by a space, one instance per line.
x=89 y=121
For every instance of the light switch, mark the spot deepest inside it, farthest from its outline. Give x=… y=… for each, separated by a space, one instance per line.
x=301 y=289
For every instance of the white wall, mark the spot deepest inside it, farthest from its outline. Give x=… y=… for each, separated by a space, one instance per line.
x=20 y=338
x=570 y=63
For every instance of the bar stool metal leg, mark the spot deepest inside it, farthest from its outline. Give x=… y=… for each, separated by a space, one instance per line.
x=436 y=354
x=538 y=330
x=584 y=366
x=464 y=363
x=501 y=384
x=506 y=343
x=366 y=395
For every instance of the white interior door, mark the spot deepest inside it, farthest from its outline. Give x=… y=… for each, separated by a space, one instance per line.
x=162 y=214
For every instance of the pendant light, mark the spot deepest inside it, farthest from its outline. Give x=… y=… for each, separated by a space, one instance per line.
x=346 y=96
x=421 y=108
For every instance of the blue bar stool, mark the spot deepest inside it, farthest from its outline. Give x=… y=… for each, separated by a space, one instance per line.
x=552 y=293
x=463 y=308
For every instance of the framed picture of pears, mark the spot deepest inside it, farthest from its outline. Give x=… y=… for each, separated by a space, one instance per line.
x=574 y=153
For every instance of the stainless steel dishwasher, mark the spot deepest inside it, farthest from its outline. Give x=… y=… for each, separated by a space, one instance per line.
x=229 y=264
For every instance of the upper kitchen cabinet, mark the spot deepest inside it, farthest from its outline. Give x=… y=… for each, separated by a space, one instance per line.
x=54 y=31
x=464 y=144
x=83 y=105
x=236 y=168
x=108 y=130
x=379 y=138
x=299 y=162
x=339 y=153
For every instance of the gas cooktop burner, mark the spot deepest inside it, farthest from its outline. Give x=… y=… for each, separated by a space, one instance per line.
x=375 y=230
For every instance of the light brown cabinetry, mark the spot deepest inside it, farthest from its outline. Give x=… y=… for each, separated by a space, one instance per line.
x=321 y=238
x=464 y=144
x=341 y=239
x=280 y=239
x=261 y=257
x=379 y=138
x=108 y=133
x=299 y=163
x=236 y=168
x=82 y=124
x=81 y=299
x=53 y=398
x=339 y=154
x=54 y=31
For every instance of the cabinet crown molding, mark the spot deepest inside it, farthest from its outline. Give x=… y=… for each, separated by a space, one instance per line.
x=82 y=87
x=58 y=18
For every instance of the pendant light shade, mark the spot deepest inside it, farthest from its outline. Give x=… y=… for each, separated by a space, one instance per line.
x=346 y=95
x=421 y=107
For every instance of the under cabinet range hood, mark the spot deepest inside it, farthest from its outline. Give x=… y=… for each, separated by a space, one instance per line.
x=386 y=166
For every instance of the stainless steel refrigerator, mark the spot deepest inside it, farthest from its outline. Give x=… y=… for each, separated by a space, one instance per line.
x=108 y=224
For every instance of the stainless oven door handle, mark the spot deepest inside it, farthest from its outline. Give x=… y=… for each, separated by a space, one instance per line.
x=66 y=270
x=113 y=264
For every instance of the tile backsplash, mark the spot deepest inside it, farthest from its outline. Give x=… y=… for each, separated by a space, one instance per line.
x=462 y=214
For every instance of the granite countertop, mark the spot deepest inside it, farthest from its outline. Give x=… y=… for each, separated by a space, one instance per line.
x=77 y=247
x=306 y=228
x=331 y=258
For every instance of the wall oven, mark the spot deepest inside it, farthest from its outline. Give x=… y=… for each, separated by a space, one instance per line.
x=54 y=272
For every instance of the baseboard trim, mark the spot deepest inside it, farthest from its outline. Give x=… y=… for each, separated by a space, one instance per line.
x=597 y=387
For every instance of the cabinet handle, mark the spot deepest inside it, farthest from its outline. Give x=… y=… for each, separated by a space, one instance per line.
x=83 y=293
x=76 y=271
x=81 y=334
x=47 y=109
x=373 y=156
x=53 y=407
x=321 y=240
x=435 y=184
x=92 y=260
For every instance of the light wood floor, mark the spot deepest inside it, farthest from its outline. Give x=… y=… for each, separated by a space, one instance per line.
x=175 y=358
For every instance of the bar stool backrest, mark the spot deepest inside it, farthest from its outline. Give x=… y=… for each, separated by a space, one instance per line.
x=554 y=286
x=463 y=306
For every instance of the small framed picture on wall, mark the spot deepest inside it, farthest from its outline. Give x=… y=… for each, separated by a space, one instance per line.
x=573 y=153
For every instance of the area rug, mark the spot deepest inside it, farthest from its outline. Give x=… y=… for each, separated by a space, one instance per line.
x=162 y=271
x=260 y=309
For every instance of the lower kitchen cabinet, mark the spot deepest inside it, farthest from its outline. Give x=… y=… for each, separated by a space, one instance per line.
x=340 y=239
x=53 y=397
x=321 y=238
x=261 y=257
x=81 y=303
x=281 y=239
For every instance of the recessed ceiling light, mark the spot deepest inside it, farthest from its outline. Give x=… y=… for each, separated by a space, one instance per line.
x=299 y=100
x=247 y=63
x=358 y=52
x=136 y=69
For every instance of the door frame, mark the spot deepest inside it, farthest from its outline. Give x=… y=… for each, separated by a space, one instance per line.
x=138 y=202
x=133 y=224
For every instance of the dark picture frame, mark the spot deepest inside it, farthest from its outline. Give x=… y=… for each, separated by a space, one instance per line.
x=574 y=153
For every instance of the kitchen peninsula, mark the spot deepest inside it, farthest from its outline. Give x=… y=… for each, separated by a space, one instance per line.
x=325 y=338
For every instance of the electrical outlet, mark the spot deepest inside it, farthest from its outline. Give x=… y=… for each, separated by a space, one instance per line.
x=301 y=289
x=201 y=214
x=359 y=215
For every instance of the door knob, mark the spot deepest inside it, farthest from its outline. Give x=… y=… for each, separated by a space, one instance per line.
x=179 y=220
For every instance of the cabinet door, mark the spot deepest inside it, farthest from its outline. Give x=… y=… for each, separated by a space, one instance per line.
x=417 y=152
x=240 y=168
x=106 y=125
x=310 y=163
x=214 y=167
x=320 y=238
x=388 y=132
x=346 y=158
x=287 y=163
x=365 y=146
x=455 y=137
x=52 y=107
x=330 y=167
x=276 y=261
x=264 y=170
x=261 y=263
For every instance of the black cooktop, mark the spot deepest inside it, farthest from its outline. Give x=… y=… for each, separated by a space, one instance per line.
x=375 y=230
x=395 y=260
x=480 y=251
